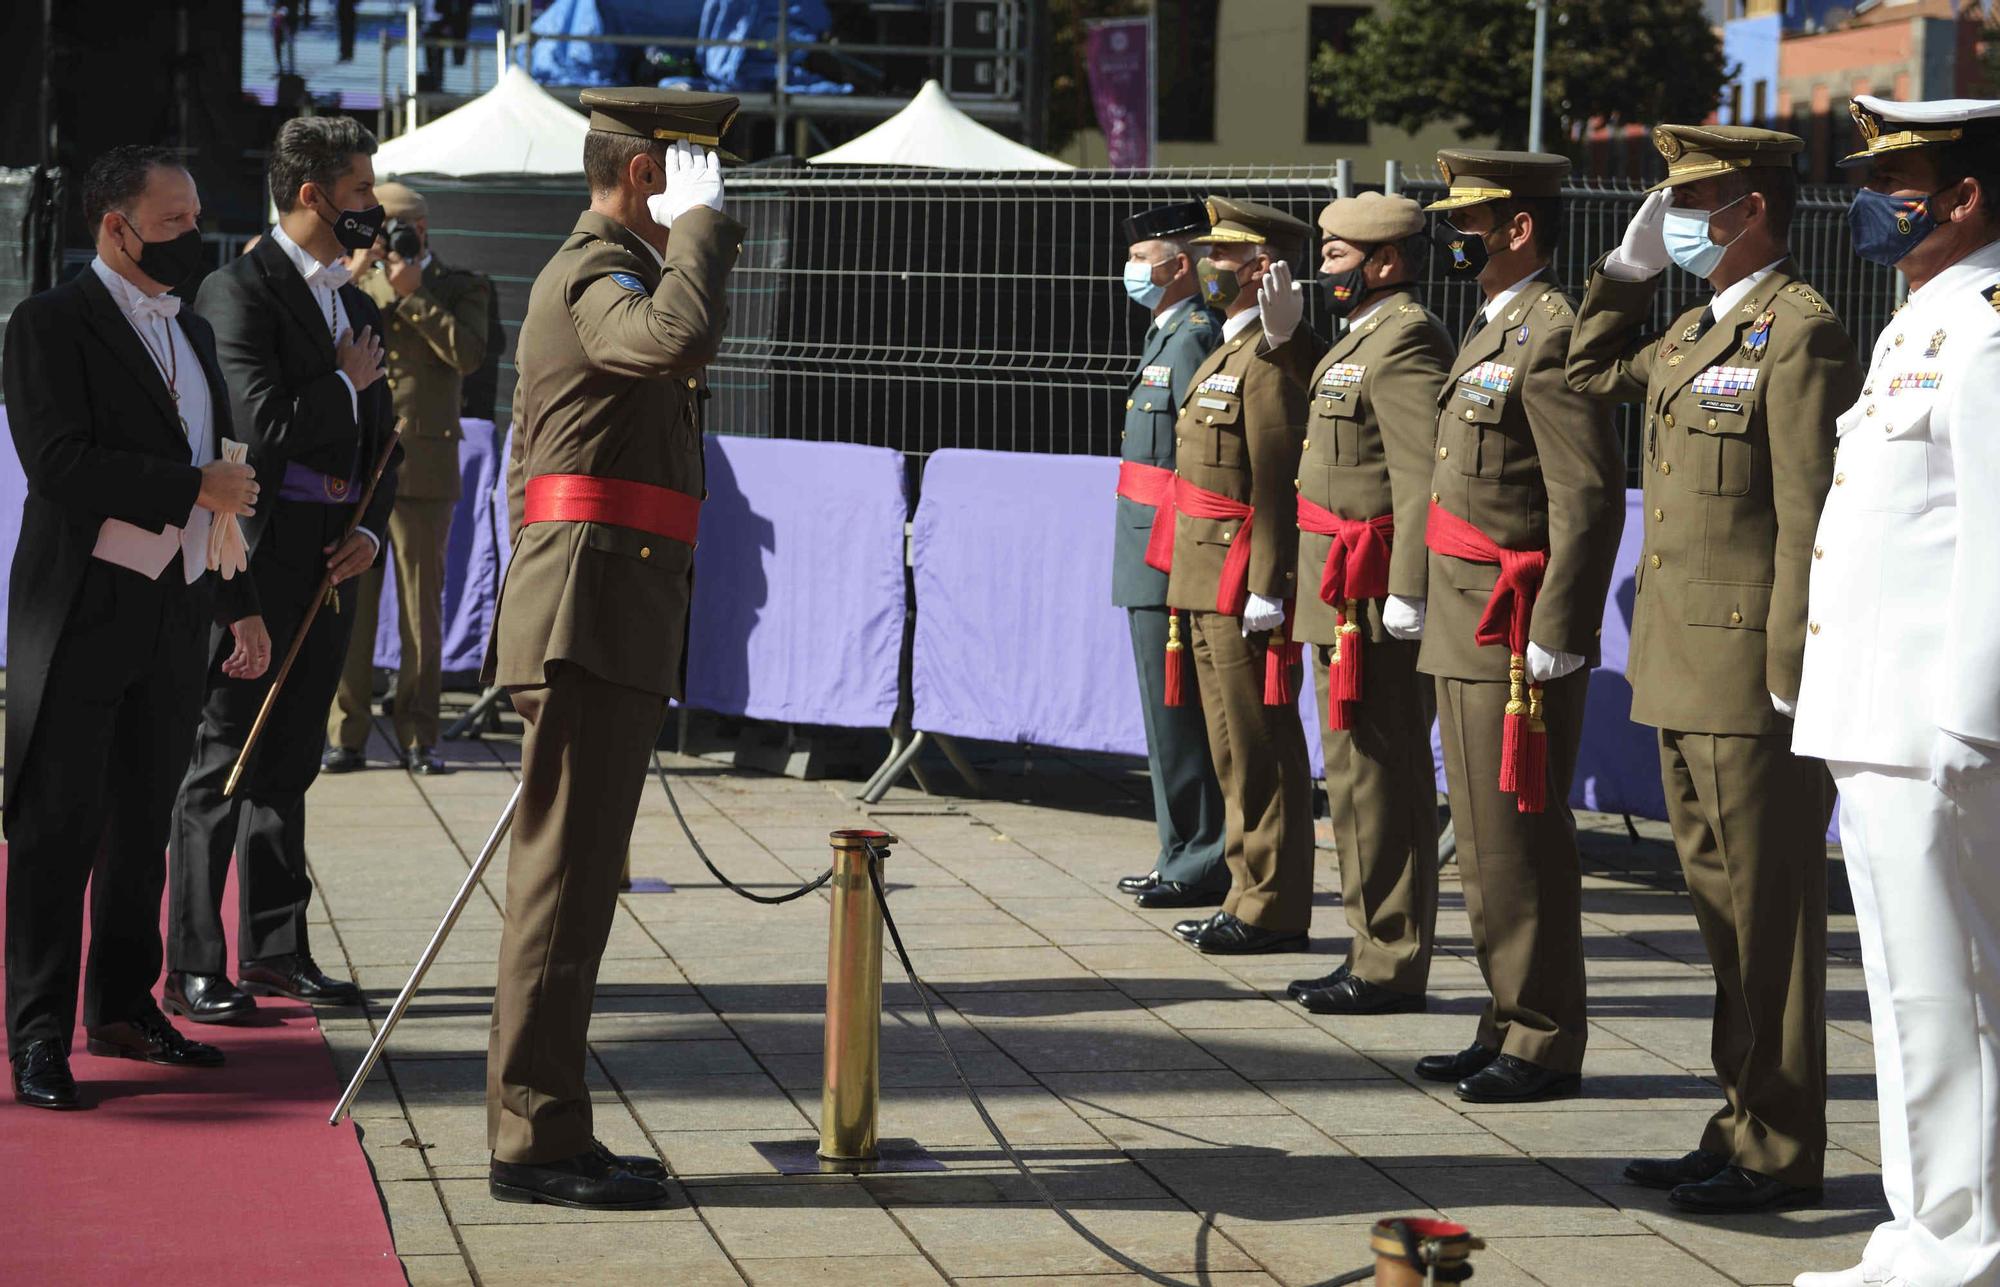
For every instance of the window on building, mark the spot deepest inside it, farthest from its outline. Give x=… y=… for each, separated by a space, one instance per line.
x=1186 y=92
x=1331 y=24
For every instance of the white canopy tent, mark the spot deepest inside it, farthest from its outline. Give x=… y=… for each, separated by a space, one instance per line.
x=516 y=127
x=932 y=132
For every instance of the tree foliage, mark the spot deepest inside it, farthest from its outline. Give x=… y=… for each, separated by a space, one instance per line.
x=1469 y=63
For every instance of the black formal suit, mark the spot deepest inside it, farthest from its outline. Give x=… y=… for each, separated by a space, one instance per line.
x=105 y=665
x=290 y=404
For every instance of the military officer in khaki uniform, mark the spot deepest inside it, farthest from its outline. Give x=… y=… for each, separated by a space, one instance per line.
x=605 y=486
x=1527 y=501
x=435 y=318
x=1229 y=539
x=1738 y=398
x=1364 y=491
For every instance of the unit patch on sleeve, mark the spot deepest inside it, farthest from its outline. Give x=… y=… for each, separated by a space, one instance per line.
x=630 y=282
x=1730 y=380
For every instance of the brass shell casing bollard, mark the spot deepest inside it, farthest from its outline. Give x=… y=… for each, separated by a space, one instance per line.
x=851 y=1090
x=1415 y=1252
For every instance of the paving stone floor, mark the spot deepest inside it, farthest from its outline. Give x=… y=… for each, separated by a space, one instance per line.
x=1196 y=1119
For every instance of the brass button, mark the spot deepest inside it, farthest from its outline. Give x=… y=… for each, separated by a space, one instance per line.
x=1819 y=552
x=1307 y=445
x=1296 y=486
x=1434 y=498
x=1735 y=618
x=1666 y=468
x=1711 y=422
x=1838 y=479
x=692 y=382
x=1128 y=404
x=1208 y=420
x=1468 y=413
x=1659 y=516
x=1899 y=341
x=1867 y=389
x=1225 y=536
x=1653 y=559
x=1668 y=420
x=1814 y=627
x=645 y=551
x=1870 y=411
x=392 y=355
x=1443 y=452
x=1180 y=442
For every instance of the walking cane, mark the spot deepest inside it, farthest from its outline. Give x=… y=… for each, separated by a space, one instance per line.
x=430 y=953
x=299 y=636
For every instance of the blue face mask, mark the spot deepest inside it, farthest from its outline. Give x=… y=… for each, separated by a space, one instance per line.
x=1139 y=283
x=1688 y=242
x=1886 y=228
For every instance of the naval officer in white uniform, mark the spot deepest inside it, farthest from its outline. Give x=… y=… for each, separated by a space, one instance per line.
x=1901 y=690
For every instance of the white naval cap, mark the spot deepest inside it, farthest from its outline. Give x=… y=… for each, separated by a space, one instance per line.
x=1889 y=126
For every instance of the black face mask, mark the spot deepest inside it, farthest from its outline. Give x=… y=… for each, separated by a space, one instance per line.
x=1343 y=291
x=168 y=262
x=357 y=229
x=1458 y=254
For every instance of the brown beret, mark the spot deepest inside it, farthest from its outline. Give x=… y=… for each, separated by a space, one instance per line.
x=1371 y=218
x=400 y=202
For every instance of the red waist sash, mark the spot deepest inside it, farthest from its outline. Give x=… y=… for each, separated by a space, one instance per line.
x=1357 y=568
x=1524 y=738
x=585 y=498
x=1199 y=502
x=1147 y=485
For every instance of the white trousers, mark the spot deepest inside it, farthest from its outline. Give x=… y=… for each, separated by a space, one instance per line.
x=1926 y=879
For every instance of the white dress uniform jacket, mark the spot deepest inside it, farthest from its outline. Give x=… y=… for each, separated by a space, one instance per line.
x=1903 y=611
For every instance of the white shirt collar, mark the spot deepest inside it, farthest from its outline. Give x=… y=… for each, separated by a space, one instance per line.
x=424 y=263
x=123 y=292
x=1235 y=326
x=1173 y=311
x=1498 y=304
x=1979 y=263
x=659 y=259
x=301 y=259
x=1733 y=294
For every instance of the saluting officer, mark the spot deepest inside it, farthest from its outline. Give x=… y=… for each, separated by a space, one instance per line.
x=1901 y=686
x=1739 y=399
x=1527 y=501
x=1364 y=489
x=1230 y=539
x=605 y=486
x=1187 y=800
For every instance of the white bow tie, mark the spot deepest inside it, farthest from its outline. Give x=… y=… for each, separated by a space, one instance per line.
x=332 y=276
x=160 y=306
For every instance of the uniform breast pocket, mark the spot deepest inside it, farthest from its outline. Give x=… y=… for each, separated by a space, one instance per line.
x=1892 y=476
x=1223 y=418
x=1337 y=420
x=1720 y=455
x=1480 y=447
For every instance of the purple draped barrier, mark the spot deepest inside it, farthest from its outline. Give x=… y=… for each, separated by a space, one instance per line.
x=475 y=557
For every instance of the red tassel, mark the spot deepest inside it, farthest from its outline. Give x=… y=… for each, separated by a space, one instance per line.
x=1277 y=672
x=1336 y=715
x=1514 y=725
x=1531 y=796
x=1349 y=681
x=1174 y=695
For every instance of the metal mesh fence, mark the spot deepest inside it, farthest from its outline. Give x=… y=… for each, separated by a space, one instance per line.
x=919 y=310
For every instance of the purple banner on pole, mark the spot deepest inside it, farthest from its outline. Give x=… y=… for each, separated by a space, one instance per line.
x=1118 y=57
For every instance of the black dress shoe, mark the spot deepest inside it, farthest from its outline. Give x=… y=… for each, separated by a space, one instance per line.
x=338 y=759
x=1298 y=988
x=204 y=998
x=41 y=1075
x=422 y=760
x=645 y=1166
x=1671 y=1173
x=1456 y=1067
x=296 y=976
x=587 y=1181
x=1228 y=936
x=1737 y=1189
x=1356 y=995
x=1138 y=884
x=1513 y=1080
x=154 y=1040
x=1190 y=929
x=1178 y=893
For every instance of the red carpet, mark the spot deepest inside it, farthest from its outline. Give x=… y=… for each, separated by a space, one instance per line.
x=217 y=1176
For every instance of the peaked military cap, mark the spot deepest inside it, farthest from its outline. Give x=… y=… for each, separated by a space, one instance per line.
x=1889 y=126
x=1371 y=218
x=1246 y=221
x=1175 y=220
x=676 y=115
x=1476 y=177
x=1697 y=152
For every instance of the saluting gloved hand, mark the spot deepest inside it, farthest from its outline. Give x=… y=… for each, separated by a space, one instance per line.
x=1544 y=665
x=1260 y=613
x=1403 y=618
x=694 y=178
x=1957 y=762
x=1283 y=301
x=1643 y=253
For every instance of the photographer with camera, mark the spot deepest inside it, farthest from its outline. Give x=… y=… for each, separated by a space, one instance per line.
x=435 y=326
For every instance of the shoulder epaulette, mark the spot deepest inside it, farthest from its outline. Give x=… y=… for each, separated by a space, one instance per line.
x=1806 y=298
x=1992 y=296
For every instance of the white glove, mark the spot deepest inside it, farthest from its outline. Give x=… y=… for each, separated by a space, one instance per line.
x=1956 y=761
x=227 y=552
x=1260 y=613
x=1783 y=707
x=1283 y=301
x=1643 y=253
x=1544 y=665
x=694 y=178
x=1403 y=618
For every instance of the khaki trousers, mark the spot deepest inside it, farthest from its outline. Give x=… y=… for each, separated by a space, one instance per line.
x=1260 y=758
x=418 y=531
x=1523 y=883
x=1381 y=790
x=1749 y=819
x=583 y=765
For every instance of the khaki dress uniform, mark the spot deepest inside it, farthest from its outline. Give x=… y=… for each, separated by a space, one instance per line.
x=590 y=633
x=1533 y=465
x=1738 y=418
x=435 y=337
x=1368 y=453
x=1238 y=435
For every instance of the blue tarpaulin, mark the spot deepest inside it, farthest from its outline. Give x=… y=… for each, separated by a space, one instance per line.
x=728 y=69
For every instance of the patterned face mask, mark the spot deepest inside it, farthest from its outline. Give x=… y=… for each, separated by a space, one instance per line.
x=1886 y=228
